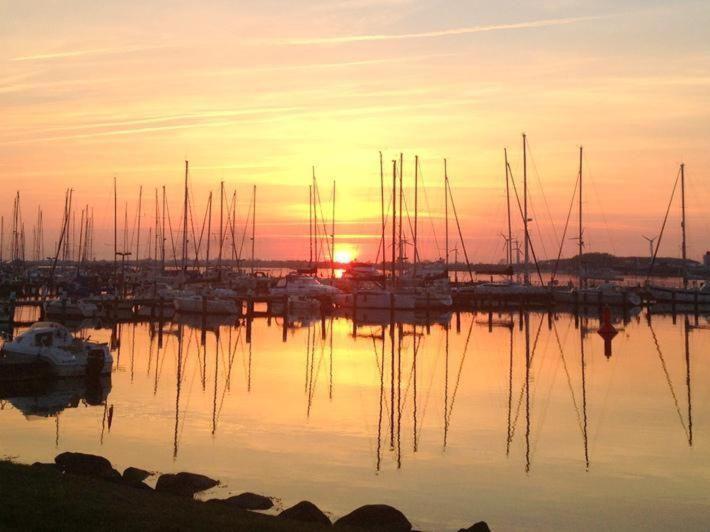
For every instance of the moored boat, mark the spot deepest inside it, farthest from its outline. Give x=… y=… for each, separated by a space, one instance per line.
x=52 y=345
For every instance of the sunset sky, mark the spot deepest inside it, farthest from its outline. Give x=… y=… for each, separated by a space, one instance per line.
x=257 y=92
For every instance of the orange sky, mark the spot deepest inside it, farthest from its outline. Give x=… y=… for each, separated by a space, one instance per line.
x=260 y=92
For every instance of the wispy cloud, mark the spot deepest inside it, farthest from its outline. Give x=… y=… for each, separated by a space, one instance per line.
x=70 y=54
x=343 y=39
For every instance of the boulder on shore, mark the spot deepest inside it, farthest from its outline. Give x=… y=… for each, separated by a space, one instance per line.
x=184 y=484
x=376 y=517
x=51 y=468
x=248 y=501
x=307 y=512
x=481 y=526
x=86 y=464
x=133 y=474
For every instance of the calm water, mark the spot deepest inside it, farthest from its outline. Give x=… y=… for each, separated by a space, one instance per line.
x=451 y=425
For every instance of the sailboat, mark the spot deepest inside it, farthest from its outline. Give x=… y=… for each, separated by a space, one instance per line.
x=510 y=290
x=365 y=291
x=698 y=295
x=604 y=294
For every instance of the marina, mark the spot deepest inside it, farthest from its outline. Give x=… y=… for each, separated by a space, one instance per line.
x=529 y=399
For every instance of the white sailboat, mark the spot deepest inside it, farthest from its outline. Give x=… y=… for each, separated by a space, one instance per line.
x=696 y=295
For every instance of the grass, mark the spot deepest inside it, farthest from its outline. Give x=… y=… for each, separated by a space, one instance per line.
x=34 y=498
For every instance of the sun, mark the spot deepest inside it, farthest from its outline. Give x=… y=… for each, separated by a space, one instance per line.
x=343 y=256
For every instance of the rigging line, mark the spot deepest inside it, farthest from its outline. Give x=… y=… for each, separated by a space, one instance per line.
x=542 y=190
x=522 y=217
x=172 y=239
x=198 y=246
x=431 y=381
x=609 y=233
x=322 y=219
x=524 y=386
x=668 y=378
x=564 y=233
x=569 y=378
x=696 y=194
x=426 y=202
x=387 y=215
x=244 y=232
x=192 y=226
x=458 y=376
x=458 y=226
x=663 y=227
x=538 y=228
x=230 y=205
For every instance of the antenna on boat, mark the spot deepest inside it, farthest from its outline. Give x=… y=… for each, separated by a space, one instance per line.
x=416 y=213
x=684 y=247
x=526 y=273
x=253 y=227
x=332 y=236
x=582 y=280
x=382 y=220
x=184 y=221
x=507 y=202
x=446 y=215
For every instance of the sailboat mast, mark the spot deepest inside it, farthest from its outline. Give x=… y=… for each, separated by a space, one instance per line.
x=416 y=210
x=221 y=224
x=526 y=274
x=253 y=227
x=394 y=221
x=162 y=234
x=138 y=229
x=582 y=280
x=507 y=201
x=155 y=227
x=401 y=211
x=184 y=221
x=684 y=247
x=310 y=225
x=446 y=215
x=382 y=218
x=115 y=227
x=209 y=229
x=332 y=236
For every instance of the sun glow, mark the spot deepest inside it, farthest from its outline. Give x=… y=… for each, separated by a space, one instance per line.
x=344 y=256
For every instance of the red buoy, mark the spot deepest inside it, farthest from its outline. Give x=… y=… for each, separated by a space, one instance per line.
x=607 y=331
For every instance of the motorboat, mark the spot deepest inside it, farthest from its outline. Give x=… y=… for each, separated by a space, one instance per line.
x=604 y=294
x=667 y=294
x=378 y=298
x=68 y=308
x=296 y=284
x=207 y=303
x=296 y=305
x=52 y=345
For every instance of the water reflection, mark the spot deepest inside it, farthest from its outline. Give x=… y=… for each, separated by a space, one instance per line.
x=401 y=408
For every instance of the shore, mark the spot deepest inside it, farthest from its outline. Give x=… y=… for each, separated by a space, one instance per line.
x=42 y=498
x=83 y=492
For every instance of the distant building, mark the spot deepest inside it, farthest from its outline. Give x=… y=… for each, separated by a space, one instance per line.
x=706 y=259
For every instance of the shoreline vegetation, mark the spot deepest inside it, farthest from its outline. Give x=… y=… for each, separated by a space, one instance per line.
x=632 y=265
x=83 y=491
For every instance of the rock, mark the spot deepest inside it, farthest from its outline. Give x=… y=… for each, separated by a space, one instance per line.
x=133 y=474
x=51 y=468
x=137 y=484
x=86 y=464
x=376 y=517
x=185 y=484
x=306 y=512
x=481 y=526
x=249 y=501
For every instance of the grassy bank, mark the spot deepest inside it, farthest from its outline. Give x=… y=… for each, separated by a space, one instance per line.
x=34 y=498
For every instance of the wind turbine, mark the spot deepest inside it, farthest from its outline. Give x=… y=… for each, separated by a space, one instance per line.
x=650 y=243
